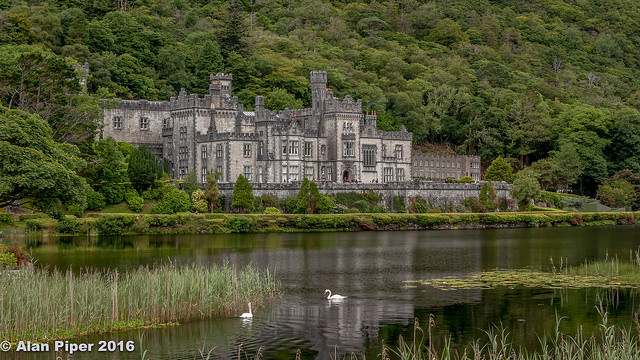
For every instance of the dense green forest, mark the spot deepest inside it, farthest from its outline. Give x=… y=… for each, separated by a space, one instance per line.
x=527 y=80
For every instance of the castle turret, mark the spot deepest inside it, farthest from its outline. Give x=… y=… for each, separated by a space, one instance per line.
x=221 y=84
x=318 y=89
x=259 y=103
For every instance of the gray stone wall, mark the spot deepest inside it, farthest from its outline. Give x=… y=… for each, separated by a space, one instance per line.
x=435 y=193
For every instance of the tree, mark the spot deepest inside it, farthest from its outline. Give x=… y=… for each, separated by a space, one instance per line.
x=191 y=183
x=173 y=200
x=35 y=168
x=488 y=196
x=199 y=201
x=211 y=192
x=617 y=193
x=308 y=197
x=561 y=169
x=143 y=168
x=233 y=37
x=242 y=200
x=111 y=170
x=525 y=188
x=499 y=170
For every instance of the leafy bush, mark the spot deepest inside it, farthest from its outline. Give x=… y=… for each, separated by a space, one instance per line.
x=34 y=225
x=95 y=200
x=113 y=225
x=75 y=210
x=154 y=192
x=239 y=224
x=272 y=211
x=6 y=218
x=361 y=205
x=465 y=180
x=173 y=200
x=134 y=201
x=7 y=261
x=140 y=226
x=418 y=205
x=199 y=202
x=289 y=205
x=260 y=203
x=69 y=225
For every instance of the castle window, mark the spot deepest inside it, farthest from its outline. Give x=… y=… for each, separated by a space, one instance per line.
x=308 y=172
x=369 y=155
x=308 y=149
x=293 y=147
x=165 y=123
x=347 y=149
x=261 y=148
x=285 y=173
x=144 y=123
x=387 y=175
x=117 y=123
x=347 y=128
x=415 y=162
x=399 y=174
x=306 y=123
x=384 y=151
x=203 y=151
x=432 y=163
x=399 y=152
x=260 y=174
x=323 y=149
x=329 y=173
x=248 y=172
x=246 y=150
x=183 y=132
x=218 y=150
x=204 y=174
x=284 y=147
x=219 y=171
x=293 y=173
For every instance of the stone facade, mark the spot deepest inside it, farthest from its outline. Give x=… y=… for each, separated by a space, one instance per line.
x=433 y=166
x=332 y=141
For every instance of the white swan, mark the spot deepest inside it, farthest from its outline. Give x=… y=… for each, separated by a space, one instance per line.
x=248 y=315
x=334 y=297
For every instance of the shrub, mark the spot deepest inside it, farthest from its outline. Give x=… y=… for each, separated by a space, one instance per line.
x=6 y=218
x=134 y=201
x=34 y=225
x=8 y=261
x=75 y=210
x=488 y=196
x=289 y=205
x=68 y=225
x=18 y=252
x=95 y=200
x=140 y=226
x=398 y=204
x=417 y=205
x=378 y=209
x=262 y=202
x=617 y=193
x=173 y=200
x=525 y=188
x=199 y=202
x=154 y=192
x=239 y=224
x=361 y=205
x=326 y=204
x=272 y=211
x=499 y=170
x=113 y=225
x=465 y=180
x=242 y=200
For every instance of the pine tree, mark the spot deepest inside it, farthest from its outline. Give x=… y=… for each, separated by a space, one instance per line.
x=209 y=62
x=233 y=38
x=242 y=195
x=143 y=168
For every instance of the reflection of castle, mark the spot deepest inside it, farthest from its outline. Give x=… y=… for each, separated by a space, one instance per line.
x=333 y=140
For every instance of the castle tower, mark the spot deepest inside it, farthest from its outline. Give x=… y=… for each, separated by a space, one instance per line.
x=221 y=84
x=318 y=89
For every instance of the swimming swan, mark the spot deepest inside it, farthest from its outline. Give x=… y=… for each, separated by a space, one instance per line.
x=334 y=297
x=248 y=315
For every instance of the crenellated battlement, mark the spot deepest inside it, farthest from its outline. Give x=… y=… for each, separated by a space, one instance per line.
x=144 y=105
x=346 y=105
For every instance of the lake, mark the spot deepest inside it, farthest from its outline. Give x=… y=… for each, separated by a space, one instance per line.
x=369 y=268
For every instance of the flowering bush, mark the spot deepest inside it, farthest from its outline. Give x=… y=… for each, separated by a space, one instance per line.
x=21 y=256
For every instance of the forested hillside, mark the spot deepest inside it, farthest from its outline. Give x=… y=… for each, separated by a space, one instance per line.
x=509 y=78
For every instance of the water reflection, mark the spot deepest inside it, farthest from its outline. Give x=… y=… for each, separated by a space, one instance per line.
x=370 y=269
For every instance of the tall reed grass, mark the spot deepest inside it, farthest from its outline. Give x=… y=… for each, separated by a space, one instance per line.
x=44 y=305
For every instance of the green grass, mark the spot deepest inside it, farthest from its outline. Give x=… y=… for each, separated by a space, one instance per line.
x=42 y=306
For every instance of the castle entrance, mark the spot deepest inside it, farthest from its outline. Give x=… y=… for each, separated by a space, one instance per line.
x=345 y=176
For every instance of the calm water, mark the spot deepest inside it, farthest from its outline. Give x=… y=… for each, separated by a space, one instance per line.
x=369 y=268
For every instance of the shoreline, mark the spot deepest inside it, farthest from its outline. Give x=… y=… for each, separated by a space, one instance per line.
x=220 y=223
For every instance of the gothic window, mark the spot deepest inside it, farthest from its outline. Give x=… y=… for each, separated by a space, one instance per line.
x=144 y=123
x=248 y=172
x=387 y=175
x=293 y=147
x=323 y=149
x=347 y=149
x=203 y=151
x=183 y=132
x=261 y=148
x=117 y=123
x=204 y=174
x=285 y=173
x=308 y=149
x=260 y=174
x=219 y=171
x=399 y=152
x=284 y=147
x=369 y=155
x=246 y=150
x=399 y=174
x=306 y=123
x=329 y=173
x=218 y=150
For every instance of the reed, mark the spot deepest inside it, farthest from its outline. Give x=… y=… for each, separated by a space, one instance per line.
x=42 y=305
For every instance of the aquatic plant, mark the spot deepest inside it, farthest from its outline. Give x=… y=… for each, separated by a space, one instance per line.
x=42 y=305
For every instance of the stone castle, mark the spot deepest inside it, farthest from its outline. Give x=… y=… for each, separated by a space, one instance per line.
x=332 y=141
